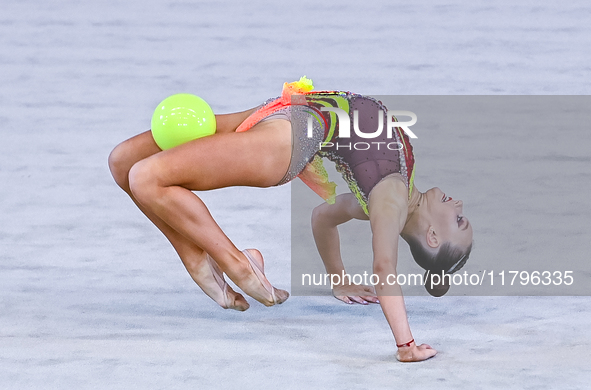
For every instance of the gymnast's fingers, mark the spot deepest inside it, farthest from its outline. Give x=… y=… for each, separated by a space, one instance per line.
x=371 y=299
x=344 y=299
x=358 y=299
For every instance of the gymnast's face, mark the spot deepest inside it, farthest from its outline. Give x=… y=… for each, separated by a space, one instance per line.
x=446 y=220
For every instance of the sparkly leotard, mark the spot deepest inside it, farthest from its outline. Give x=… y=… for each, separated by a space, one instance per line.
x=363 y=162
x=303 y=148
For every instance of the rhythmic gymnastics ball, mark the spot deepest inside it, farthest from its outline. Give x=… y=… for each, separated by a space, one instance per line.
x=181 y=118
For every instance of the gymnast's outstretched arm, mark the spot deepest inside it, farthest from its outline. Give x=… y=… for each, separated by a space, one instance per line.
x=388 y=210
x=325 y=219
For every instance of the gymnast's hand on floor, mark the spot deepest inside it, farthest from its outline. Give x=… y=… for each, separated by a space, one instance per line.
x=415 y=353
x=353 y=293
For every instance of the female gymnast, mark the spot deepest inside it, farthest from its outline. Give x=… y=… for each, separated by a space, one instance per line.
x=271 y=145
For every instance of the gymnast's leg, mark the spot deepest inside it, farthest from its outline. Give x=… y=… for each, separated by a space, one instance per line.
x=203 y=270
x=162 y=184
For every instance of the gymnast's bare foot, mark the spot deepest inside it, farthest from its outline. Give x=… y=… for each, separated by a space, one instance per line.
x=210 y=278
x=270 y=295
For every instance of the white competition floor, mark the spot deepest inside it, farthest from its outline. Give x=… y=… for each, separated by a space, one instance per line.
x=92 y=296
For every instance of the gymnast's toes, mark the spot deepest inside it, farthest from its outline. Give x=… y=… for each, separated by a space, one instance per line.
x=236 y=301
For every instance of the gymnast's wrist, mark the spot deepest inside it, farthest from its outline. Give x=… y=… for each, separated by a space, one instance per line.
x=405 y=346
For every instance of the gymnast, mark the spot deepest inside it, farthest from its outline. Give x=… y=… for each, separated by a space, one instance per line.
x=271 y=145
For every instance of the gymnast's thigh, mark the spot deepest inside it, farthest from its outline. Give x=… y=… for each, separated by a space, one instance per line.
x=258 y=157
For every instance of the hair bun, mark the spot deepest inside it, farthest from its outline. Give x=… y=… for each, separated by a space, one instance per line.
x=436 y=287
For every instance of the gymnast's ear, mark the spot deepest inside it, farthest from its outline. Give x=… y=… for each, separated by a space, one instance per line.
x=432 y=238
x=434 y=285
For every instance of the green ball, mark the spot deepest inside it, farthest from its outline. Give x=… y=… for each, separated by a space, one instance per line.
x=181 y=118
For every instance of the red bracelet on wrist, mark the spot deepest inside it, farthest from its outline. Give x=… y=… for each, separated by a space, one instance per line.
x=406 y=344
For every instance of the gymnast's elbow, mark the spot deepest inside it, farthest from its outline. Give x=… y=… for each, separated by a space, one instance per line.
x=325 y=216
